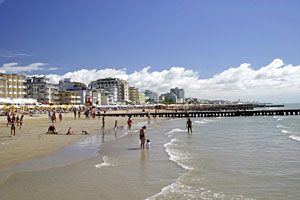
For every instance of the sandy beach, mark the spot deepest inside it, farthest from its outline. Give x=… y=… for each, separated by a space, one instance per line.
x=32 y=142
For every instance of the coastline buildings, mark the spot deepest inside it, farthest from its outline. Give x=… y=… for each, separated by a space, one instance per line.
x=118 y=89
x=39 y=87
x=142 y=98
x=69 y=98
x=179 y=94
x=12 y=86
x=106 y=91
x=134 y=95
x=171 y=96
x=79 y=88
x=151 y=95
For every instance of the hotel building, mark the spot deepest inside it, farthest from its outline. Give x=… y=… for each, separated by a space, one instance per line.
x=12 y=86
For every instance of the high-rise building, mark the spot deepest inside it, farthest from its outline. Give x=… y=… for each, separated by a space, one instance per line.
x=134 y=95
x=171 y=96
x=79 y=88
x=12 y=86
x=151 y=95
x=69 y=98
x=39 y=87
x=179 y=94
x=112 y=85
x=142 y=98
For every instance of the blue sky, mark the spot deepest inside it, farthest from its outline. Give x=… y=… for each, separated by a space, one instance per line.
x=207 y=37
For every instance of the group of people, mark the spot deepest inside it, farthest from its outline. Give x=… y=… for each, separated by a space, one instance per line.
x=14 y=121
x=52 y=130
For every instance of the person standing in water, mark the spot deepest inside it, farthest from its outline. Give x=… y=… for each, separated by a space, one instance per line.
x=189 y=125
x=143 y=137
x=129 y=122
x=103 y=123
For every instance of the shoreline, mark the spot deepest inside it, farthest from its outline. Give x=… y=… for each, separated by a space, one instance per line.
x=31 y=142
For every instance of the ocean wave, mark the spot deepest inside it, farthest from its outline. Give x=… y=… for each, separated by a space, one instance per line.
x=182 y=190
x=175 y=130
x=106 y=162
x=285 y=131
x=200 y=122
x=295 y=137
x=282 y=126
x=176 y=155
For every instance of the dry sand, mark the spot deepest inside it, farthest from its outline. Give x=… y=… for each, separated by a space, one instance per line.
x=32 y=142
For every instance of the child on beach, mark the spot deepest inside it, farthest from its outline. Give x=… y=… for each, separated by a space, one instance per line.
x=148 y=144
x=70 y=131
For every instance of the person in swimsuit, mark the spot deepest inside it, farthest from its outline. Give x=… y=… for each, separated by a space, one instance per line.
x=60 y=117
x=189 y=125
x=8 y=120
x=143 y=137
x=52 y=129
x=70 y=131
x=129 y=123
x=21 y=121
x=12 y=127
x=103 y=123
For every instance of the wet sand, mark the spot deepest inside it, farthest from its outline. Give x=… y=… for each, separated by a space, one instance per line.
x=120 y=170
x=32 y=142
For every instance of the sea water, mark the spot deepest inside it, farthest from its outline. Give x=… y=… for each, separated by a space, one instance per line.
x=235 y=158
x=223 y=158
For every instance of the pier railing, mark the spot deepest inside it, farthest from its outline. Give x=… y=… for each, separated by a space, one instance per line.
x=209 y=113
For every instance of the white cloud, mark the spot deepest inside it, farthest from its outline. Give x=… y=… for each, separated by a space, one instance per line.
x=2 y=1
x=276 y=82
x=16 y=68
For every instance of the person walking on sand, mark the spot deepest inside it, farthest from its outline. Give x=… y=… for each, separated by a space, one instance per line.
x=21 y=121
x=60 y=117
x=13 y=127
x=8 y=120
x=75 y=112
x=143 y=137
x=17 y=120
x=189 y=125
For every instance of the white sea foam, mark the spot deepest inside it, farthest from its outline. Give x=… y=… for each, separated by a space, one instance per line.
x=175 y=130
x=282 y=126
x=200 y=122
x=179 y=190
x=176 y=155
x=295 y=137
x=106 y=162
x=285 y=131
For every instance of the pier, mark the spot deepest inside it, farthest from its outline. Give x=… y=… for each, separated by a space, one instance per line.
x=233 y=113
